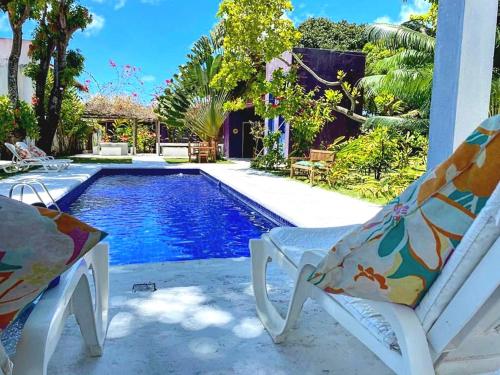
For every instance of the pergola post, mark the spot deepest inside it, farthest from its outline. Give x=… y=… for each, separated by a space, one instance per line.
x=134 y=136
x=462 y=73
x=158 y=138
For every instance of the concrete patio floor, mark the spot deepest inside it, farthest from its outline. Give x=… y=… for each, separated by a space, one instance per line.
x=202 y=319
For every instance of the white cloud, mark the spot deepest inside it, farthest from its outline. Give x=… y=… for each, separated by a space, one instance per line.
x=119 y=4
x=383 y=19
x=148 y=78
x=408 y=9
x=96 y=25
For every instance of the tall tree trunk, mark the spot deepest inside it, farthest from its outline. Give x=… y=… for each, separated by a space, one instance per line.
x=55 y=99
x=13 y=67
x=45 y=141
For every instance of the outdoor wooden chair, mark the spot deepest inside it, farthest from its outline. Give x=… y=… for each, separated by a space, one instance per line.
x=318 y=163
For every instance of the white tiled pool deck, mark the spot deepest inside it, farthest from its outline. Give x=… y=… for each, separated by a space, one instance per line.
x=202 y=318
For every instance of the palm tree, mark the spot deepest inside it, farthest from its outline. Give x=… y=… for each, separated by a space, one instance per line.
x=405 y=74
x=190 y=101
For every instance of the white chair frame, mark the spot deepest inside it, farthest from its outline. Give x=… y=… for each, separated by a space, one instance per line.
x=49 y=164
x=73 y=295
x=460 y=337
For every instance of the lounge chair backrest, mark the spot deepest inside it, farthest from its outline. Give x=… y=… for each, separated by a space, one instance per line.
x=321 y=155
x=30 y=146
x=470 y=325
x=16 y=157
x=474 y=246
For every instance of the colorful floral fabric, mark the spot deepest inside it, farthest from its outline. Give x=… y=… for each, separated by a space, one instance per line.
x=36 y=152
x=36 y=245
x=23 y=152
x=397 y=255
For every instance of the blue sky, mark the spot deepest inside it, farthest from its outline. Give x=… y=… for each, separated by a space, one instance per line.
x=156 y=35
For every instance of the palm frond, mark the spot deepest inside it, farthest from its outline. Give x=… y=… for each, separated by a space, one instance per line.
x=405 y=59
x=397 y=36
x=206 y=116
x=371 y=85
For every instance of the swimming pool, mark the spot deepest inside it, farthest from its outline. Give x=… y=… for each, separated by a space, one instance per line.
x=157 y=217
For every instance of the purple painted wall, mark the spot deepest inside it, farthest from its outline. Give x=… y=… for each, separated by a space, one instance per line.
x=326 y=63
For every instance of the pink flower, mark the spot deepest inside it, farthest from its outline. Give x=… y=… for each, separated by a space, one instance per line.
x=168 y=81
x=134 y=94
x=127 y=66
x=112 y=63
x=87 y=81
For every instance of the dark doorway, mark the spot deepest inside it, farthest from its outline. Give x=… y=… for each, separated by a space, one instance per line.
x=238 y=140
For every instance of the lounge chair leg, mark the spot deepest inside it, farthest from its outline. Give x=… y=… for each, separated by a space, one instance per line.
x=93 y=324
x=45 y=324
x=275 y=324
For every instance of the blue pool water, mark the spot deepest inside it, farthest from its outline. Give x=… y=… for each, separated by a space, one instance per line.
x=156 y=218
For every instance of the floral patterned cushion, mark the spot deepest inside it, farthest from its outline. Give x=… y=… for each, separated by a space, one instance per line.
x=397 y=255
x=36 y=152
x=23 y=152
x=36 y=245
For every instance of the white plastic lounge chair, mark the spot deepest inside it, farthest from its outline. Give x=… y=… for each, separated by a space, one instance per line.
x=48 y=165
x=83 y=290
x=454 y=330
x=45 y=157
x=73 y=295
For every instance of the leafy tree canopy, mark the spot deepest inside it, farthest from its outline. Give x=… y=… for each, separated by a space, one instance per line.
x=256 y=32
x=324 y=33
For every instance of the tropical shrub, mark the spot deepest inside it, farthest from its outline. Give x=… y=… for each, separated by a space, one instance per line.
x=18 y=122
x=73 y=131
x=146 y=138
x=380 y=163
x=273 y=158
x=306 y=111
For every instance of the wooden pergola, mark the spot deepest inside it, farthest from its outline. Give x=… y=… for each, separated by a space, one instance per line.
x=108 y=109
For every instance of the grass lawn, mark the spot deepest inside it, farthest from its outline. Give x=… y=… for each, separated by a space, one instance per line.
x=186 y=160
x=349 y=192
x=102 y=160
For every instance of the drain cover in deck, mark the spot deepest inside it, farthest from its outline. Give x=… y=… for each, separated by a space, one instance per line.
x=144 y=287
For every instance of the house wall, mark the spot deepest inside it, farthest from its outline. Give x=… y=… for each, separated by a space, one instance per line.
x=26 y=90
x=326 y=63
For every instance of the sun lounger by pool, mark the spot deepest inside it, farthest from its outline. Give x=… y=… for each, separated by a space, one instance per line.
x=419 y=283
x=446 y=336
x=48 y=164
